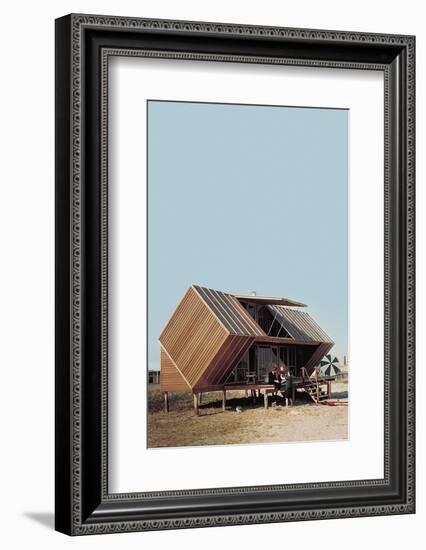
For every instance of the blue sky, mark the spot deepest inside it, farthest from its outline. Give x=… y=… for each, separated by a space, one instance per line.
x=248 y=198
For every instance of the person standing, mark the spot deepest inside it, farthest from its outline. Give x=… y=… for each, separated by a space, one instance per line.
x=289 y=388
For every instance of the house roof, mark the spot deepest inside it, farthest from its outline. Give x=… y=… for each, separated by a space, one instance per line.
x=269 y=300
x=299 y=324
x=228 y=310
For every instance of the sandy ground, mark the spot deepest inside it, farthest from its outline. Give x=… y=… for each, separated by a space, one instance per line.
x=306 y=421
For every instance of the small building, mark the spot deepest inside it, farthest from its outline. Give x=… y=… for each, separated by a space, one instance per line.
x=153 y=377
x=215 y=340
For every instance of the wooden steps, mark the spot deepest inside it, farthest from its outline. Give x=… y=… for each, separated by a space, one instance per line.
x=316 y=392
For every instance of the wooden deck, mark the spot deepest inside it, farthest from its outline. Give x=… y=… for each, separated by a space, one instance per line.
x=313 y=387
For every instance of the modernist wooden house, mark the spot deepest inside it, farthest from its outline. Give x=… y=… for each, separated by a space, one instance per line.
x=217 y=341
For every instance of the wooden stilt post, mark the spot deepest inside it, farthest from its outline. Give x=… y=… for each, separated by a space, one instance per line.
x=196 y=403
x=224 y=400
x=166 y=401
x=265 y=399
x=201 y=396
x=318 y=392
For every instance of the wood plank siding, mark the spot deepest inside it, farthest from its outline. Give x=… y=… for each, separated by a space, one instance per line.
x=193 y=337
x=171 y=379
x=225 y=361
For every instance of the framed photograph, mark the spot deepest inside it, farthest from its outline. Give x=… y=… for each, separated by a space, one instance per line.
x=234 y=274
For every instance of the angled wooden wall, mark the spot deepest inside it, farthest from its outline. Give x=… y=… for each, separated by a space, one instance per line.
x=192 y=338
x=226 y=359
x=321 y=350
x=170 y=378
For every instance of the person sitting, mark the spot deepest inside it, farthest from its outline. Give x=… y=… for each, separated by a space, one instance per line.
x=274 y=378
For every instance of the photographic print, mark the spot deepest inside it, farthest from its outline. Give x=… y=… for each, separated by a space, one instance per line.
x=247 y=274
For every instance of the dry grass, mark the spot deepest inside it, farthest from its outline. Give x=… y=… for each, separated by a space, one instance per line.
x=303 y=422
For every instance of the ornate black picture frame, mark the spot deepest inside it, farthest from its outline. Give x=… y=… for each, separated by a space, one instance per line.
x=83 y=45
